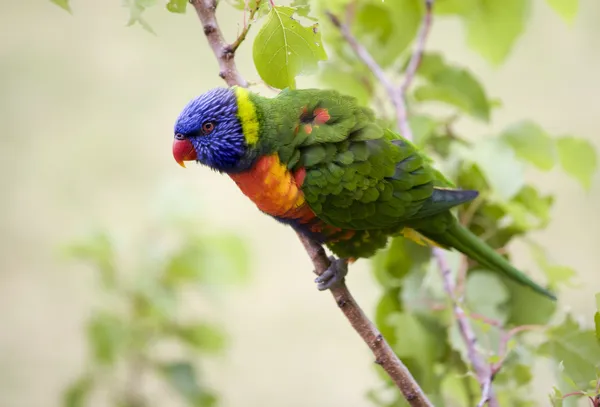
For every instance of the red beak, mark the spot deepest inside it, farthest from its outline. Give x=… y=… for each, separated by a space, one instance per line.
x=183 y=150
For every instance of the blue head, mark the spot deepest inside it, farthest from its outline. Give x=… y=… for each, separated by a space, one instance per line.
x=209 y=131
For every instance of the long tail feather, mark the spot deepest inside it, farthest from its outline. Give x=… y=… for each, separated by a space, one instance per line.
x=469 y=244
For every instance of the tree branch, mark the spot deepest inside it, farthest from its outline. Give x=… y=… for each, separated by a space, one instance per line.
x=384 y=355
x=223 y=52
x=398 y=99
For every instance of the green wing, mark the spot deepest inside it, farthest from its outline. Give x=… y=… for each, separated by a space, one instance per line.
x=359 y=175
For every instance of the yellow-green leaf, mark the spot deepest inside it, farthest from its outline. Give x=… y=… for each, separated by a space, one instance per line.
x=498 y=162
x=556 y=274
x=597 y=323
x=578 y=159
x=106 y=334
x=487 y=295
x=202 y=336
x=64 y=4
x=182 y=376
x=567 y=9
x=284 y=49
x=527 y=307
x=333 y=76
x=531 y=143
x=136 y=9
x=77 y=393
x=455 y=7
x=452 y=85
x=177 y=6
x=576 y=348
x=387 y=28
x=494 y=26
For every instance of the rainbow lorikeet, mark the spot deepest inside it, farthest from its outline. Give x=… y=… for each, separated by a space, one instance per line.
x=318 y=161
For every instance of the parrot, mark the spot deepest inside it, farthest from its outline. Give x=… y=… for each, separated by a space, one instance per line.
x=320 y=162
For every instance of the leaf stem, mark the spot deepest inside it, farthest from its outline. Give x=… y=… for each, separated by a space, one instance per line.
x=247 y=24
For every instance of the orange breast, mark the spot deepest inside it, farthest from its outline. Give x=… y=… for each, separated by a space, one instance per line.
x=276 y=191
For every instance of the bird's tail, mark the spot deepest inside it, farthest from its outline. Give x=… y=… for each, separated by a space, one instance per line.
x=463 y=240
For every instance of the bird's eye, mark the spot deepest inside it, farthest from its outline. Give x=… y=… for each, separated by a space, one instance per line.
x=179 y=136
x=207 y=128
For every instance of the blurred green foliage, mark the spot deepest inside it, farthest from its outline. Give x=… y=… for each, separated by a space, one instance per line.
x=414 y=313
x=143 y=314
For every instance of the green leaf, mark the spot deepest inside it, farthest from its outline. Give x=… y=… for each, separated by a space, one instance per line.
x=526 y=307
x=106 y=335
x=419 y=347
x=177 y=6
x=263 y=7
x=597 y=325
x=504 y=172
x=98 y=250
x=522 y=374
x=556 y=397
x=154 y=301
x=202 y=336
x=576 y=348
x=227 y=253
x=452 y=85
x=531 y=143
x=333 y=76
x=199 y=256
x=597 y=317
x=64 y=4
x=556 y=274
x=136 y=9
x=387 y=28
x=390 y=267
x=284 y=49
x=567 y=9
x=77 y=393
x=455 y=7
x=494 y=26
x=533 y=204
x=423 y=128
x=486 y=295
x=182 y=377
x=578 y=159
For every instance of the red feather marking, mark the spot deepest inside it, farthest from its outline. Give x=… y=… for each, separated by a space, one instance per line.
x=322 y=116
x=299 y=176
x=307 y=128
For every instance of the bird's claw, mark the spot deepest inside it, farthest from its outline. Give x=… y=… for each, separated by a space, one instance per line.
x=334 y=275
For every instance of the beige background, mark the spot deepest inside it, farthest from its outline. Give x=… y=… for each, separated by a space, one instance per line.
x=86 y=113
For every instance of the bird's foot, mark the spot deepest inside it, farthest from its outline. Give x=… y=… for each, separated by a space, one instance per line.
x=334 y=275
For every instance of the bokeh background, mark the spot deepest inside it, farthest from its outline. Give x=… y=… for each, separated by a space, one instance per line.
x=87 y=107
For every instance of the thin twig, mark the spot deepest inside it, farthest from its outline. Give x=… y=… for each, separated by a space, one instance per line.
x=384 y=355
x=397 y=97
x=247 y=24
x=417 y=54
x=482 y=370
x=503 y=347
x=485 y=392
x=364 y=55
